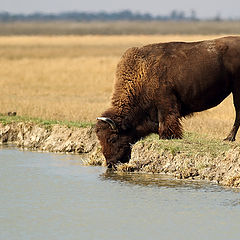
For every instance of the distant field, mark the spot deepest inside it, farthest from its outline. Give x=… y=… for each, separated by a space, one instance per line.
x=120 y=28
x=71 y=78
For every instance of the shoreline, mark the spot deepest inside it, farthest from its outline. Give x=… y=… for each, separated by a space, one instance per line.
x=191 y=158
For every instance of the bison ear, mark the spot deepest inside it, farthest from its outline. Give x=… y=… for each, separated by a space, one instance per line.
x=109 y=121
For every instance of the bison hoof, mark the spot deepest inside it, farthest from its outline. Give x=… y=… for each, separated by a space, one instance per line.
x=170 y=137
x=231 y=139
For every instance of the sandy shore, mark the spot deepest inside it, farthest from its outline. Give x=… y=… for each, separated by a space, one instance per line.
x=147 y=155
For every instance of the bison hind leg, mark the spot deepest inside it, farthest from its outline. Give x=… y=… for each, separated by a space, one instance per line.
x=236 y=100
x=170 y=128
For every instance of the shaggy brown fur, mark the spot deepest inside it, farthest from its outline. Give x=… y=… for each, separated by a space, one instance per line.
x=158 y=84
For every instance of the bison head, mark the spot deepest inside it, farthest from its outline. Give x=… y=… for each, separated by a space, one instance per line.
x=115 y=143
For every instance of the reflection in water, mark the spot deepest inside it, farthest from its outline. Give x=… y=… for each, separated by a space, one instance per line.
x=232 y=203
x=53 y=196
x=157 y=180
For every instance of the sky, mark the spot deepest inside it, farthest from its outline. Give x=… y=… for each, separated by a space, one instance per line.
x=203 y=8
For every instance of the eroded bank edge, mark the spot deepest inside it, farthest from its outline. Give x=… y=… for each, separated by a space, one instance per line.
x=192 y=157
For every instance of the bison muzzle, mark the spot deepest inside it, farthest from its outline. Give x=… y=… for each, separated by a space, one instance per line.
x=158 y=84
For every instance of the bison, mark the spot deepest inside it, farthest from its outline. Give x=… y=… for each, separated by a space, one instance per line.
x=158 y=84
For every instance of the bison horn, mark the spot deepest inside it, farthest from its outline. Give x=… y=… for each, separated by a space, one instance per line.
x=109 y=121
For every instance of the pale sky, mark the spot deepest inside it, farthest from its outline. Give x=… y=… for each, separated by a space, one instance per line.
x=204 y=8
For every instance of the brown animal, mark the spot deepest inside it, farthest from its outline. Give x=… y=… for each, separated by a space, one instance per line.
x=158 y=84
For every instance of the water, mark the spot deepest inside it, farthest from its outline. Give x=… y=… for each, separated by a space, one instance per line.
x=51 y=196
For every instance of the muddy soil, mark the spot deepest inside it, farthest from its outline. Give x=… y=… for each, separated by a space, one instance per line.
x=147 y=156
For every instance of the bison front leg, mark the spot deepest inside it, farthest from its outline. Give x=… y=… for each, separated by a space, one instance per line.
x=169 y=115
x=169 y=126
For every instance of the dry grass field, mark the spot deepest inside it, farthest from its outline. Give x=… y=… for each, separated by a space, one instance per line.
x=71 y=78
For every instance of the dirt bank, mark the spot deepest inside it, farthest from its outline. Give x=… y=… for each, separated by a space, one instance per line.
x=184 y=159
x=53 y=138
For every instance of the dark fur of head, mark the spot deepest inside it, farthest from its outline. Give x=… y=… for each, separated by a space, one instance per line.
x=115 y=143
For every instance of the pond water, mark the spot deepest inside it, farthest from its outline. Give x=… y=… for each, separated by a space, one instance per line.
x=53 y=196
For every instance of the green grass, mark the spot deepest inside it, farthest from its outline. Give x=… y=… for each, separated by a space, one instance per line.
x=48 y=123
x=191 y=144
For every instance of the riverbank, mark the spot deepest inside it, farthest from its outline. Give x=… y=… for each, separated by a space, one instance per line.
x=193 y=157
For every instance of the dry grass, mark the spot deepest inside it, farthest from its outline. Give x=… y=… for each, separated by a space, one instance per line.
x=70 y=78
